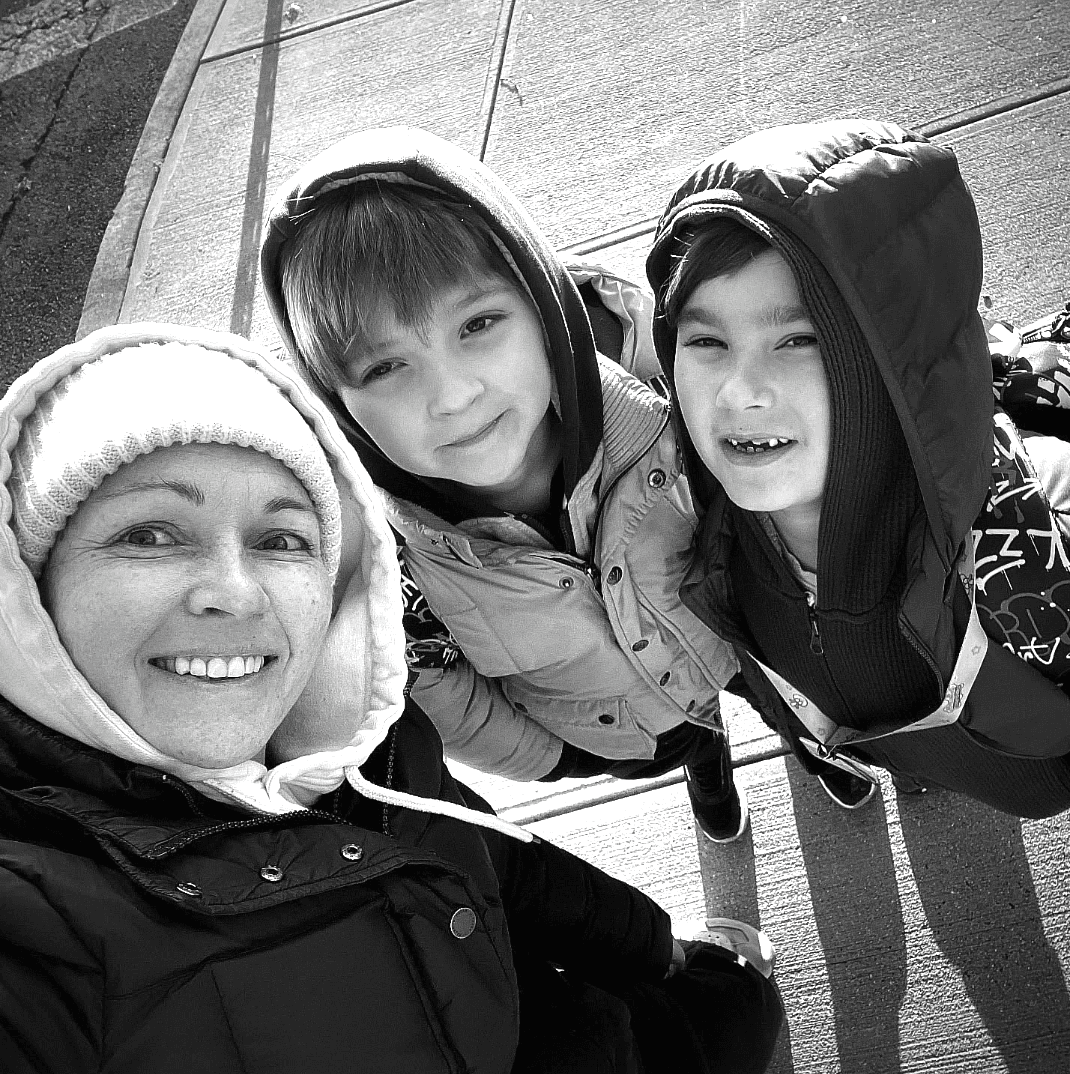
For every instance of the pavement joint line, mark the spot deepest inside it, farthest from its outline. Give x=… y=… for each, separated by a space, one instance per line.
x=495 y=69
x=934 y=128
x=543 y=809
x=305 y=29
x=999 y=107
x=110 y=280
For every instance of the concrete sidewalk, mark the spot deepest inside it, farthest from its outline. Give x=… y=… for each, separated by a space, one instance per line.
x=918 y=934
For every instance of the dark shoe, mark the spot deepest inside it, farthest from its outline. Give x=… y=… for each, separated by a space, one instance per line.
x=908 y=784
x=721 y=820
x=846 y=789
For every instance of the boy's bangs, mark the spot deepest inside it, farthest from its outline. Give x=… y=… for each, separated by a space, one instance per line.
x=707 y=251
x=368 y=253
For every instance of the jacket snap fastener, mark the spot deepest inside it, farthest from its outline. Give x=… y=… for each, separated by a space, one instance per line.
x=271 y=873
x=520 y=707
x=463 y=922
x=191 y=890
x=615 y=575
x=665 y=678
x=640 y=645
x=352 y=852
x=567 y=583
x=606 y=718
x=655 y=479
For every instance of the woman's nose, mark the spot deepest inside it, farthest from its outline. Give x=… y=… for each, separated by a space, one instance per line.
x=227 y=584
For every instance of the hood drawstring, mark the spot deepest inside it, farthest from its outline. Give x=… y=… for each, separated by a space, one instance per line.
x=434 y=805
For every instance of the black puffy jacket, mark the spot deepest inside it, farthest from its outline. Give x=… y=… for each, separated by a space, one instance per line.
x=144 y=927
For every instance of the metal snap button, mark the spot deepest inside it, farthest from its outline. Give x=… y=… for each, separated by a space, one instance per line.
x=615 y=575
x=271 y=873
x=352 y=852
x=655 y=479
x=665 y=678
x=606 y=718
x=463 y=922
x=520 y=707
x=191 y=890
x=567 y=583
x=640 y=645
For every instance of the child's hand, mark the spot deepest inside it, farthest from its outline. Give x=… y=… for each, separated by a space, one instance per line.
x=678 y=958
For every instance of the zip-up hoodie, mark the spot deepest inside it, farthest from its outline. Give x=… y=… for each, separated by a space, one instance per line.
x=587 y=642
x=882 y=235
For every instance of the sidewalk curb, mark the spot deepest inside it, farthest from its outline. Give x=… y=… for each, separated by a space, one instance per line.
x=111 y=271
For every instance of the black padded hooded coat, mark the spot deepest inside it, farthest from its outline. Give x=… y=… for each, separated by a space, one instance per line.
x=880 y=228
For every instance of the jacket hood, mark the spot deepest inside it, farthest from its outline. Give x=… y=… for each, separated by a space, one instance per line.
x=357 y=688
x=886 y=217
x=407 y=155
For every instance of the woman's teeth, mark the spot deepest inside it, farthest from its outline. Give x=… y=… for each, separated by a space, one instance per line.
x=212 y=667
x=754 y=447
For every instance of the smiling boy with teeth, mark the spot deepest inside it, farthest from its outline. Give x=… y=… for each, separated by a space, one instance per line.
x=532 y=475
x=816 y=308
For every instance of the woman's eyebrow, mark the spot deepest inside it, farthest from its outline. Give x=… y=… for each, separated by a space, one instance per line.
x=184 y=489
x=287 y=503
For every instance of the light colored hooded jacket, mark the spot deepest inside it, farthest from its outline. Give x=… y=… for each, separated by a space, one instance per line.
x=592 y=645
x=357 y=688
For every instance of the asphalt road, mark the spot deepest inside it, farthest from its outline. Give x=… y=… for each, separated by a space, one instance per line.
x=77 y=80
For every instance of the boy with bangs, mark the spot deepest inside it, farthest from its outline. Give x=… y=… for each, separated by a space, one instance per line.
x=532 y=476
x=887 y=557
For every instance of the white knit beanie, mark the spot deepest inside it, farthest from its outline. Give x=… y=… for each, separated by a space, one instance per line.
x=130 y=402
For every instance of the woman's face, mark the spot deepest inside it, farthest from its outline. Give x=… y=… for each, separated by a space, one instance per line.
x=190 y=590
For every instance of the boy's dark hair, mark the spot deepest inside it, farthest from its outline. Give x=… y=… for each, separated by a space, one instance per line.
x=717 y=248
x=370 y=248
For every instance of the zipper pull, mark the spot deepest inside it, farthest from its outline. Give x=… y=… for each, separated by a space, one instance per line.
x=817 y=647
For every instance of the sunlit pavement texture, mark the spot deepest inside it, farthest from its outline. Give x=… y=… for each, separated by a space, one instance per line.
x=917 y=934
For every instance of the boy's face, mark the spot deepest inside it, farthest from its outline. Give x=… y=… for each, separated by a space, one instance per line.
x=753 y=390
x=464 y=398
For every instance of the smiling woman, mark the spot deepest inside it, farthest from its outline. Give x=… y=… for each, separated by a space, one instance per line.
x=202 y=693
x=190 y=588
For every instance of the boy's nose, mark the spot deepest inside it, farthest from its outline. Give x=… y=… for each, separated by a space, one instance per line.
x=744 y=386
x=452 y=388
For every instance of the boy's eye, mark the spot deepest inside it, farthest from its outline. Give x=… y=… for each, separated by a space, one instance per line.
x=703 y=341
x=803 y=339
x=284 y=542
x=377 y=372
x=478 y=324
x=146 y=537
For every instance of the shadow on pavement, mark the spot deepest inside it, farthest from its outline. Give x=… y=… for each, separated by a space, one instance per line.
x=977 y=891
x=730 y=887
x=851 y=872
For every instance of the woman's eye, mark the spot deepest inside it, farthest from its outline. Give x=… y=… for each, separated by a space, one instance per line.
x=147 y=537
x=284 y=542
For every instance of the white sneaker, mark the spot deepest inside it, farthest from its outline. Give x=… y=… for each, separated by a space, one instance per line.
x=743 y=940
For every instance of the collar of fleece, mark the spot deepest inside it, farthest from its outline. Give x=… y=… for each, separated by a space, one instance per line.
x=407 y=155
x=349 y=705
